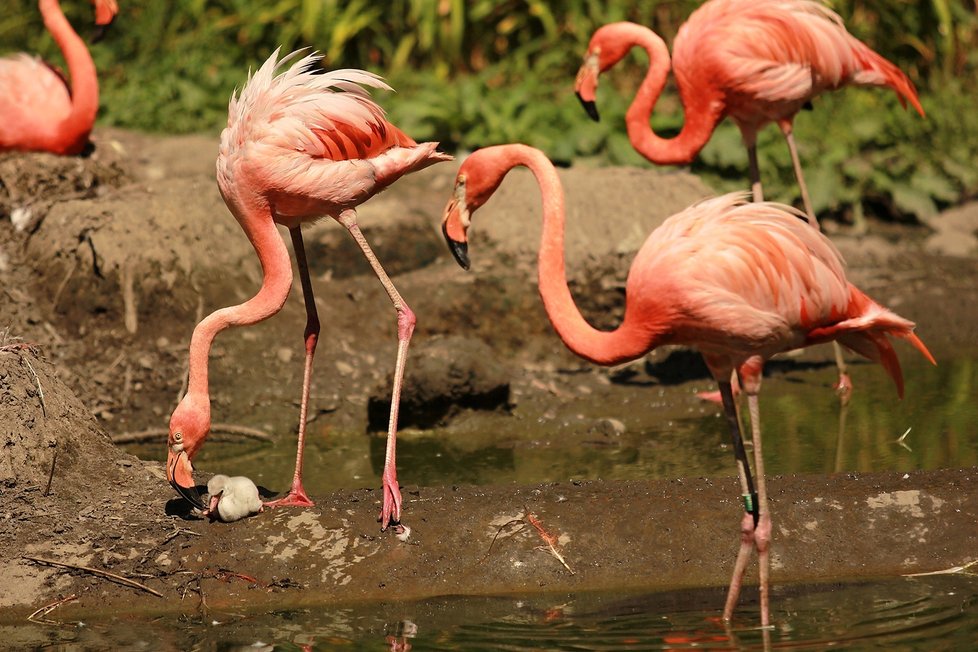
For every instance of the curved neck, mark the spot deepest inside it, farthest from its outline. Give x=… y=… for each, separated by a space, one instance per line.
x=276 y=284
x=626 y=342
x=77 y=125
x=700 y=117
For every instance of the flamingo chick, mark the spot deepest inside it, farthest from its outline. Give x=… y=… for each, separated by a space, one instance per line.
x=232 y=499
x=739 y=281
x=38 y=110
x=300 y=144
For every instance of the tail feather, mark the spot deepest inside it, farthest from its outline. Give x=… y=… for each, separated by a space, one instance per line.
x=875 y=346
x=866 y=331
x=877 y=71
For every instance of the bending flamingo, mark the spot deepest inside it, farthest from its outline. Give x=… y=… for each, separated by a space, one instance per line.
x=739 y=281
x=300 y=144
x=38 y=111
x=757 y=61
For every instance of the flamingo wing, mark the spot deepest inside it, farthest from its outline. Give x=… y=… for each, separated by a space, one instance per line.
x=322 y=114
x=744 y=276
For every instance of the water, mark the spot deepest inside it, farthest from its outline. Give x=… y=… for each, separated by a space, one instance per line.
x=803 y=434
x=800 y=418
x=924 y=613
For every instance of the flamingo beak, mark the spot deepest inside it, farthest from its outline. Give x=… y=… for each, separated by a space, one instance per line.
x=586 y=85
x=180 y=473
x=590 y=107
x=212 y=503
x=456 y=243
x=105 y=12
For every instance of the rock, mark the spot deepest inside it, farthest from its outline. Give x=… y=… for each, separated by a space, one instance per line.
x=955 y=232
x=443 y=375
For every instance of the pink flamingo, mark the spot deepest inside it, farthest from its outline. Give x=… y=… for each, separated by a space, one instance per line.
x=739 y=281
x=300 y=144
x=757 y=61
x=38 y=112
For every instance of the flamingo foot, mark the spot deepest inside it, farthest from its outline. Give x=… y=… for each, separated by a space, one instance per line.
x=710 y=397
x=390 y=513
x=843 y=388
x=296 y=498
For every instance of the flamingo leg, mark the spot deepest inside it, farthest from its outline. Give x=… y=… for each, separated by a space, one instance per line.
x=754 y=170
x=390 y=513
x=762 y=529
x=844 y=387
x=747 y=524
x=297 y=495
x=789 y=136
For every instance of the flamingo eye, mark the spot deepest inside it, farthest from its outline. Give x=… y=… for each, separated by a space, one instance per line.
x=178 y=437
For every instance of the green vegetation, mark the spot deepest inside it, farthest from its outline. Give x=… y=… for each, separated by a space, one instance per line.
x=476 y=72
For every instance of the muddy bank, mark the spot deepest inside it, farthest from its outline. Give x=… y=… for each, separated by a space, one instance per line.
x=101 y=294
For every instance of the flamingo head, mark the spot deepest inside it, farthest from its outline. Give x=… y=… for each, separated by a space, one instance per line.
x=189 y=425
x=105 y=12
x=476 y=181
x=605 y=50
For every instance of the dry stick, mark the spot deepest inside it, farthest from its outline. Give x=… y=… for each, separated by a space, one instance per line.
x=130 y=314
x=54 y=460
x=64 y=283
x=500 y=531
x=224 y=428
x=40 y=392
x=180 y=530
x=38 y=616
x=946 y=571
x=549 y=539
x=95 y=571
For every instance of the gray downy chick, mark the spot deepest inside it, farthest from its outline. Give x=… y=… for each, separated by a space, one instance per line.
x=232 y=499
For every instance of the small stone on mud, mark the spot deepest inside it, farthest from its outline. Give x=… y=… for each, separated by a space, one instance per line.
x=284 y=354
x=345 y=368
x=609 y=427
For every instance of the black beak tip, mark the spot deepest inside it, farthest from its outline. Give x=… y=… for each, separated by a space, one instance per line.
x=191 y=495
x=590 y=108
x=461 y=252
x=101 y=30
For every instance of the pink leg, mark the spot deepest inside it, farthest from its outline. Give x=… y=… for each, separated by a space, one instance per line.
x=762 y=532
x=297 y=495
x=390 y=513
x=789 y=135
x=747 y=491
x=844 y=387
x=754 y=171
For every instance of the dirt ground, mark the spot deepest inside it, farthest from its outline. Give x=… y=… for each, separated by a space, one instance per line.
x=106 y=264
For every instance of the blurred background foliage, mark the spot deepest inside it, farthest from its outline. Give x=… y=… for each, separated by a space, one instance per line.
x=471 y=73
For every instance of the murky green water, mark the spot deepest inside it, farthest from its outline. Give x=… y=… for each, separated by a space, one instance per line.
x=800 y=418
x=926 y=613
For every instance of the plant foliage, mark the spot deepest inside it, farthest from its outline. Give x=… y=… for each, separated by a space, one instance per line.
x=471 y=73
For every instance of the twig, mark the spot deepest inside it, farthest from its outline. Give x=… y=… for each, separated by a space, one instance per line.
x=500 y=531
x=40 y=392
x=946 y=571
x=904 y=436
x=54 y=460
x=38 y=616
x=180 y=530
x=95 y=571
x=223 y=428
x=549 y=539
x=64 y=283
